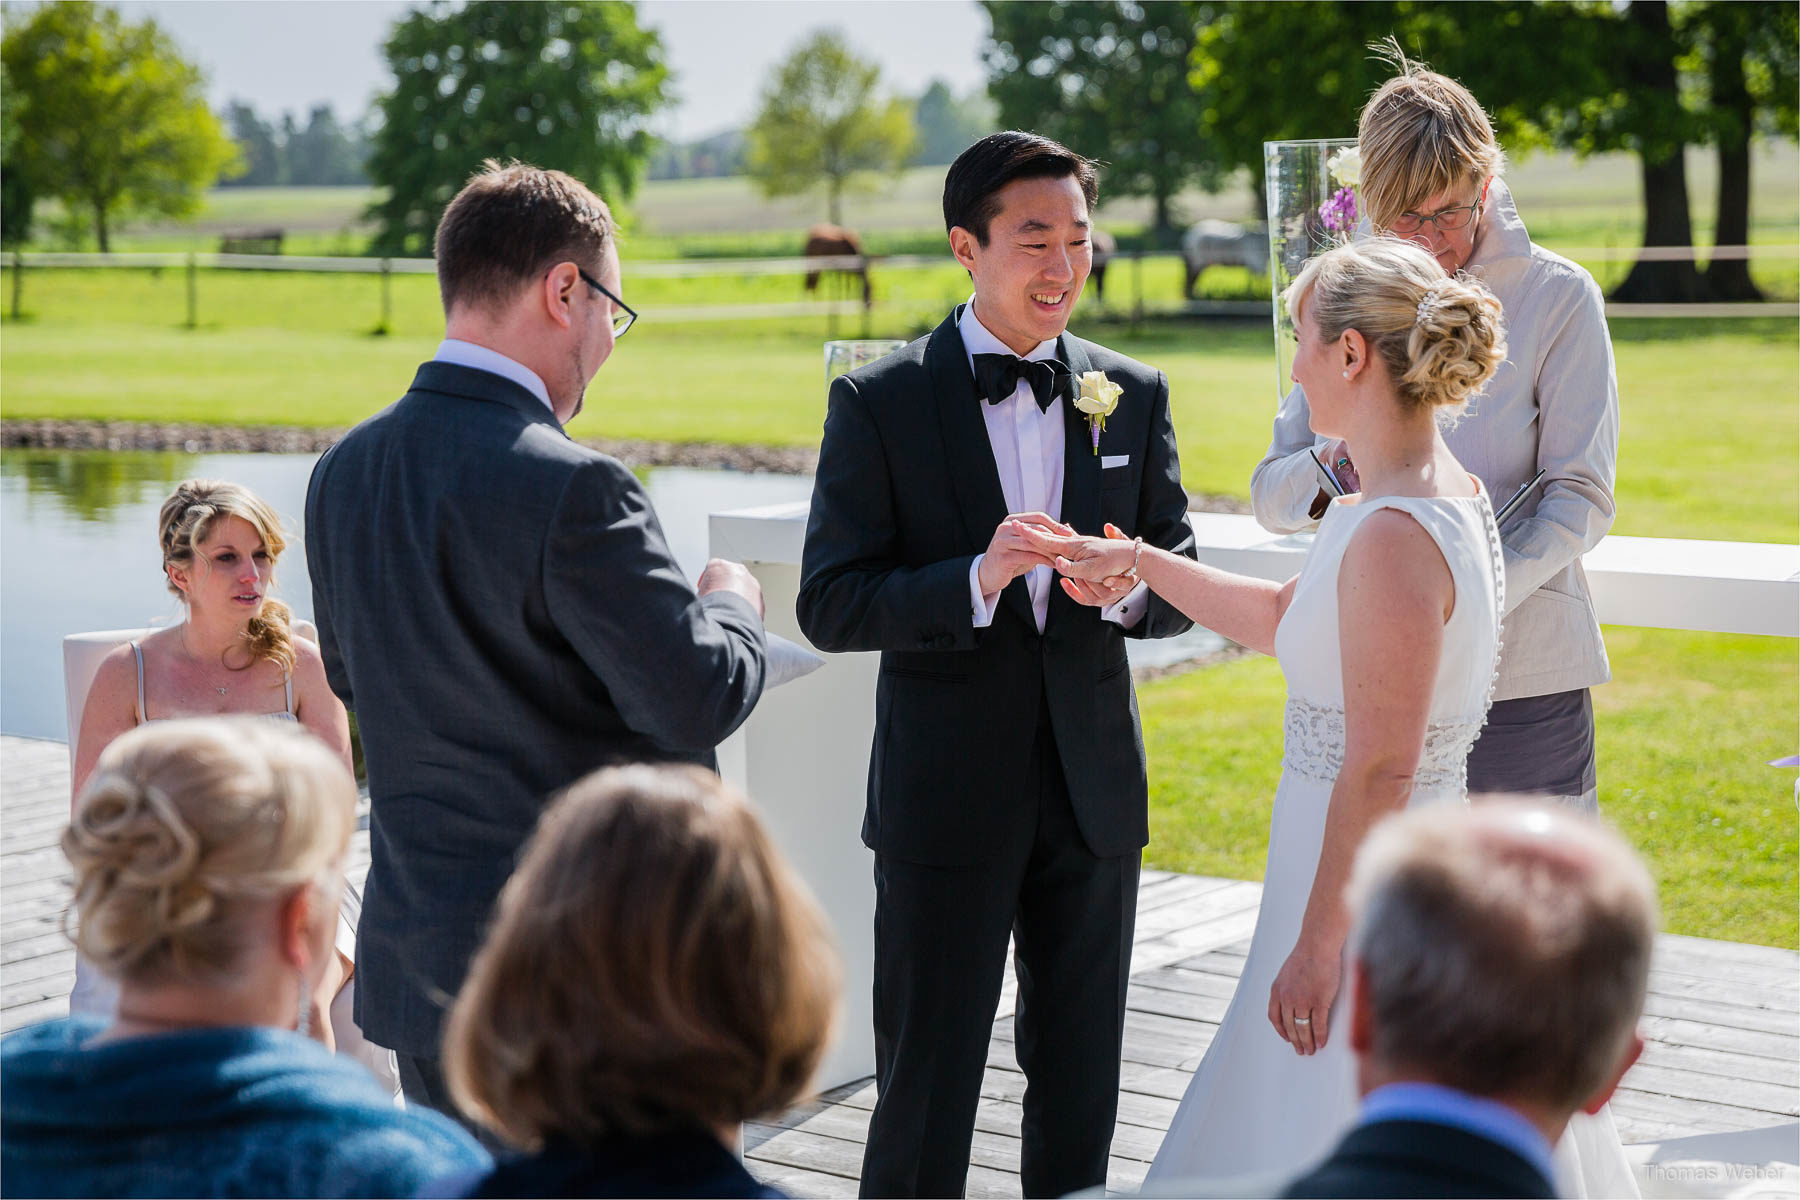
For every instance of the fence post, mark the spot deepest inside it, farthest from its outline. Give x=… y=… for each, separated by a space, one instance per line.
x=18 y=281
x=387 y=298
x=193 y=292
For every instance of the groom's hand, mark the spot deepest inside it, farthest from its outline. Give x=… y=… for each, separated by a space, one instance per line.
x=1009 y=555
x=723 y=575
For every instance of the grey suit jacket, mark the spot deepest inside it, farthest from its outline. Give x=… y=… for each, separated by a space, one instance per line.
x=499 y=607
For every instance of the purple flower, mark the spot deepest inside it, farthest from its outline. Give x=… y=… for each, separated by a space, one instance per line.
x=1339 y=212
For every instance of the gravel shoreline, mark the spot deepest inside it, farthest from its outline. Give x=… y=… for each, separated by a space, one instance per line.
x=284 y=439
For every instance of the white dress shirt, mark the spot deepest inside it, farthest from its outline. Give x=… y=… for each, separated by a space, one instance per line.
x=1027 y=443
x=468 y=354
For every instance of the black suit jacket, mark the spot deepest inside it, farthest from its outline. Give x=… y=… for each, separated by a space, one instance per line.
x=906 y=495
x=499 y=607
x=1421 y=1158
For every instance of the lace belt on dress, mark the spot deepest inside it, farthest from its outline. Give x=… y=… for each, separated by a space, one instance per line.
x=1313 y=748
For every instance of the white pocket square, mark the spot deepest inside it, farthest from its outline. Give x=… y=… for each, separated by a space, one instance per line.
x=1109 y=461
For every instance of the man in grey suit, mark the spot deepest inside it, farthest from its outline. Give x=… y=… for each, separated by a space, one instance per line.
x=497 y=603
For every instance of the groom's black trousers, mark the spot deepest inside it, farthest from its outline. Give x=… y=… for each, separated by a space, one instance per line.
x=940 y=955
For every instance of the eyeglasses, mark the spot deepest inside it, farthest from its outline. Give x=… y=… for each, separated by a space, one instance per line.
x=624 y=316
x=1444 y=220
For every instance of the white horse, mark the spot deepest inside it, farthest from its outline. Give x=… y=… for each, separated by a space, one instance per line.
x=1211 y=243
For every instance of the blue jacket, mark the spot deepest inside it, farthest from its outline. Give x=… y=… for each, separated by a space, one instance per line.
x=208 y=1112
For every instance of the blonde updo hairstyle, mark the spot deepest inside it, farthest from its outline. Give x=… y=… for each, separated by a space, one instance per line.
x=1440 y=338
x=1421 y=133
x=187 y=518
x=186 y=828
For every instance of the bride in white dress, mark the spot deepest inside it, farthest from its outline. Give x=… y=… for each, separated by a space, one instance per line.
x=1388 y=639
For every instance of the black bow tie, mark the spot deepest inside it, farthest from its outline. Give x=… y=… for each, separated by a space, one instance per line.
x=997 y=378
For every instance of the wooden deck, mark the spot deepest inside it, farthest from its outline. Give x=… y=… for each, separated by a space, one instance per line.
x=1723 y=1019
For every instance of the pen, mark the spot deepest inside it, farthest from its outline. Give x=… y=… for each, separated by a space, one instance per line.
x=1506 y=510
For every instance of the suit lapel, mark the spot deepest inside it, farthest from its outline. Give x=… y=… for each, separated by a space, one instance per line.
x=1081 y=466
x=967 y=450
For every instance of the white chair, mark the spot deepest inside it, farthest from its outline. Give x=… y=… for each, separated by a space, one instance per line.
x=94 y=993
x=82 y=653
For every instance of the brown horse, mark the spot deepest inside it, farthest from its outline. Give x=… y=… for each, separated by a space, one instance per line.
x=834 y=241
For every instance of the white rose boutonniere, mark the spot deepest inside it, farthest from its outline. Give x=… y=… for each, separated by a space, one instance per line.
x=1096 y=396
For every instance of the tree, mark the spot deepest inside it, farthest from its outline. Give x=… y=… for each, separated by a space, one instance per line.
x=708 y=158
x=1648 y=117
x=1593 y=78
x=570 y=86
x=1750 y=52
x=821 y=124
x=946 y=126
x=111 y=119
x=257 y=146
x=1109 y=79
x=324 y=153
x=16 y=200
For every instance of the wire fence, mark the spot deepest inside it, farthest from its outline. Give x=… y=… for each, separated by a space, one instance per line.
x=193 y=262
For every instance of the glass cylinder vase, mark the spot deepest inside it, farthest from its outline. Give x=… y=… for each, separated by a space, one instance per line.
x=845 y=356
x=1309 y=211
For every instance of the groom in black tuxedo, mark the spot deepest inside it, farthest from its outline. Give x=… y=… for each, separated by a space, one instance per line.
x=1006 y=787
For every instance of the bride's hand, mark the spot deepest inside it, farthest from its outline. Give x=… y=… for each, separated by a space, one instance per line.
x=1080 y=557
x=1303 y=994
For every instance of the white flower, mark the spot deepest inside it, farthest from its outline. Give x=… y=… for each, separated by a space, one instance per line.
x=1098 y=395
x=1346 y=167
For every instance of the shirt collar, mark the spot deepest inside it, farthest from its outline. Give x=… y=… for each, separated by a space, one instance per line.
x=468 y=354
x=1440 y=1105
x=977 y=339
x=1502 y=233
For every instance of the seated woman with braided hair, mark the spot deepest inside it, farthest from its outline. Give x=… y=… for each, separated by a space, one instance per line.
x=233 y=652
x=208 y=858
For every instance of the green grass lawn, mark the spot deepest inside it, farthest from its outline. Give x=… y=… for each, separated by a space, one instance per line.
x=1710 y=448
x=1685 y=729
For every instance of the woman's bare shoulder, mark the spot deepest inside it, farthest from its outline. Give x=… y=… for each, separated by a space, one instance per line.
x=118 y=668
x=1392 y=539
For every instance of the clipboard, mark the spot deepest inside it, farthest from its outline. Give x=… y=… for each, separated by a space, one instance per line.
x=1337 y=489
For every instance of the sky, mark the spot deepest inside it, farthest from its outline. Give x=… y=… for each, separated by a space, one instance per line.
x=285 y=55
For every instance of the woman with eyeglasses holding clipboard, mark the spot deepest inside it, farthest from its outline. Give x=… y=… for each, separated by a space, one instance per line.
x=1431 y=174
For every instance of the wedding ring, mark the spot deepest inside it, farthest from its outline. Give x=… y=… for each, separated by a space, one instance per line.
x=1303 y=1020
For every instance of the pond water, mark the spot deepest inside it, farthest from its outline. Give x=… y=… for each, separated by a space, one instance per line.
x=78 y=535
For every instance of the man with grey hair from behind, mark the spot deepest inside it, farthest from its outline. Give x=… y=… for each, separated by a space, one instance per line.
x=1497 y=965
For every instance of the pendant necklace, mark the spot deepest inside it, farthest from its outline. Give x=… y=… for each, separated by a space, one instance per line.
x=190 y=653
